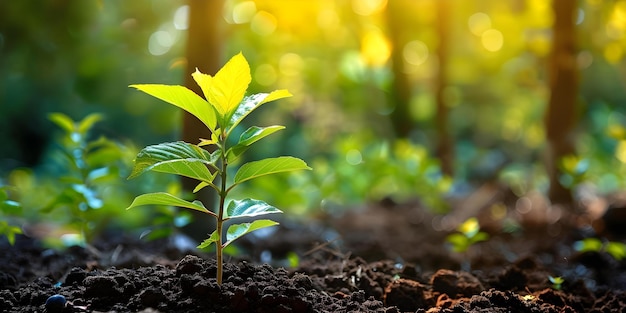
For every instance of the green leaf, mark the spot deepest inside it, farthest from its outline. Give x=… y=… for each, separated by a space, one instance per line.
x=268 y=166
x=179 y=158
x=478 y=237
x=458 y=241
x=235 y=231
x=248 y=208
x=202 y=184
x=214 y=238
x=87 y=123
x=63 y=121
x=183 y=98
x=9 y=231
x=616 y=249
x=470 y=227
x=588 y=244
x=250 y=103
x=250 y=136
x=163 y=198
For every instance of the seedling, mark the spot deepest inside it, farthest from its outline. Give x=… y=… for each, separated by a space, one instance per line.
x=9 y=207
x=616 y=249
x=468 y=234
x=557 y=282
x=224 y=106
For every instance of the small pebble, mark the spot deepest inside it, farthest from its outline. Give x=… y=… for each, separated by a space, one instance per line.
x=55 y=303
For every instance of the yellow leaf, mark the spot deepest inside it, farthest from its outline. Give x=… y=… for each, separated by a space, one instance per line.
x=204 y=81
x=276 y=94
x=228 y=87
x=206 y=142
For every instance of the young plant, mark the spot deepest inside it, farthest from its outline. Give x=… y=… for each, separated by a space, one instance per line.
x=468 y=234
x=557 y=282
x=616 y=249
x=8 y=207
x=223 y=108
x=88 y=170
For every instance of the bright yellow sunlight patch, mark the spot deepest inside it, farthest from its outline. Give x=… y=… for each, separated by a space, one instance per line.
x=375 y=48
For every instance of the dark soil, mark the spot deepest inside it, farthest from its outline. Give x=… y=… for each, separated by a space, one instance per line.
x=383 y=258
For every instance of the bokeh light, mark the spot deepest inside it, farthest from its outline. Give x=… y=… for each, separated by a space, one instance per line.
x=478 y=23
x=415 y=52
x=375 y=48
x=492 y=40
x=263 y=23
x=160 y=42
x=368 y=7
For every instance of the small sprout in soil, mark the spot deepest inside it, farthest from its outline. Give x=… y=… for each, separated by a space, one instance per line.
x=8 y=207
x=616 y=249
x=293 y=259
x=557 y=282
x=221 y=110
x=56 y=303
x=468 y=233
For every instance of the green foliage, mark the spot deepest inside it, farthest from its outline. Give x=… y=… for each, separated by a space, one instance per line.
x=616 y=249
x=78 y=190
x=468 y=234
x=88 y=175
x=223 y=108
x=360 y=169
x=8 y=207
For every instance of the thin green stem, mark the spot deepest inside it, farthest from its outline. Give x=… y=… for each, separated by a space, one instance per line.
x=220 y=213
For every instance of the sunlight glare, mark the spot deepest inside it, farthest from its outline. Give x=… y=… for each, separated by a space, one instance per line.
x=181 y=17
x=492 y=40
x=244 y=12
x=368 y=7
x=479 y=23
x=375 y=48
x=328 y=19
x=263 y=23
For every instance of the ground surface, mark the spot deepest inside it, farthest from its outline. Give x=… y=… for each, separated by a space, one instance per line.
x=383 y=258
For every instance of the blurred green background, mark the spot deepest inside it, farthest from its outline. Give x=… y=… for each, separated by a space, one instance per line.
x=396 y=98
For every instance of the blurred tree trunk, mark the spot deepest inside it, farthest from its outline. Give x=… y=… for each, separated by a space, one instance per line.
x=204 y=51
x=400 y=95
x=561 y=112
x=445 y=148
x=401 y=88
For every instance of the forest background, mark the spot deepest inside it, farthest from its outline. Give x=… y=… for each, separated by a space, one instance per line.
x=392 y=98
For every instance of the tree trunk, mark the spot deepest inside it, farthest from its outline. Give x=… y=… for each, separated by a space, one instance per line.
x=204 y=51
x=445 y=148
x=400 y=96
x=561 y=114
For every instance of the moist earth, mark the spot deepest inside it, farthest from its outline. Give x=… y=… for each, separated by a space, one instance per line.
x=386 y=257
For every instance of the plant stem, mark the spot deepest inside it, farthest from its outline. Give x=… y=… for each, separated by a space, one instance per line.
x=220 y=214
